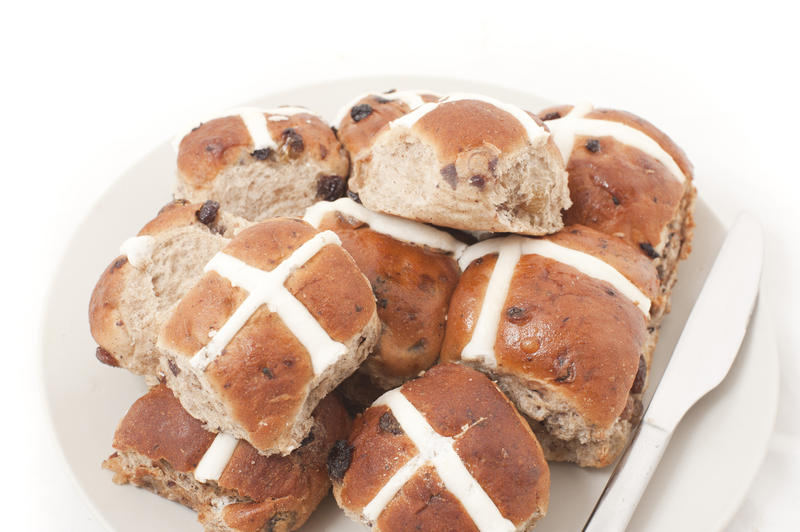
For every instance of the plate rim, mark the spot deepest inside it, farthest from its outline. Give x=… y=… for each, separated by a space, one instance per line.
x=761 y=312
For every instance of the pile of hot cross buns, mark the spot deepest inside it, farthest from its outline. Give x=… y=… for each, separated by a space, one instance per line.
x=419 y=306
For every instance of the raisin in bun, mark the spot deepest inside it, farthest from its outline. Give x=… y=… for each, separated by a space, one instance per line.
x=627 y=179
x=468 y=162
x=139 y=288
x=561 y=323
x=160 y=447
x=359 y=121
x=413 y=272
x=261 y=163
x=280 y=318
x=447 y=451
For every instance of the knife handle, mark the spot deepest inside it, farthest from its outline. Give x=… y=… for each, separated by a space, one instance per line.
x=614 y=509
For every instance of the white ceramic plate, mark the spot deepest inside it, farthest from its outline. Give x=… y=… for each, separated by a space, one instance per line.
x=704 y=475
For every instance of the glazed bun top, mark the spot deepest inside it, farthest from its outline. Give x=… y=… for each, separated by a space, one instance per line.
x=566 y=313
x=460 y=122
x=276 y=313
x=450 y=443
x=627 y=178
x=139 y=286
x=253 y=134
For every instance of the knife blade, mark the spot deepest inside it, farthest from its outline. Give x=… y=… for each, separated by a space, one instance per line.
x=702 y=358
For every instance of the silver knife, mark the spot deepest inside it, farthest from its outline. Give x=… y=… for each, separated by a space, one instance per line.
x=703 y=356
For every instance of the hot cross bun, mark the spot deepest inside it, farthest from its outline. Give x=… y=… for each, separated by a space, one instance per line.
x=562 y=324
x=468 y=162
x=233 y=488
x=447 y=451
x=262 y=163
x=280 y=318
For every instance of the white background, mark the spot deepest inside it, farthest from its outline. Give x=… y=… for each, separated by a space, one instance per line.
x=89 y=87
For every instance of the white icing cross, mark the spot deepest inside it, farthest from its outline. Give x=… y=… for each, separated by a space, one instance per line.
x=510 y=249
x=533 y=130
x=394 y=226
x=254 y=120
x=484 y=335
x=216 y=457
x=573 y=124
x=138 y=249
x=437 y=450
x=266 y=288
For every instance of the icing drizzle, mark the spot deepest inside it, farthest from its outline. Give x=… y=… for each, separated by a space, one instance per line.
x=510 y=249
x=394 y=226
x=138 y=249
x=437 y=450
x=266 y=288
x=574 y=123
x=216 y=457
x=484 y=335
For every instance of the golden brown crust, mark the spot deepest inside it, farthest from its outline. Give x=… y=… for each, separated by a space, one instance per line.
x=412 y=286
x=453 y=128
x=182 y=213
x=619 y=189
x=378 y=453
x=177 y=212
x=494 y=442
x=157 y=427
x=264 y=373
x=334 y=290
x=666 y=143
x=558 y=337
x=210 y=147
x=592 y=356
x=204 y=308
x=358 y=391
x=499 y=449
x=425 y=504
x=357 y=135
x=275 y=493
x=632 y=120
x=263 y=378
x=306 y=134
x=219 y=143
x=465 y=307
x=105 y=320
